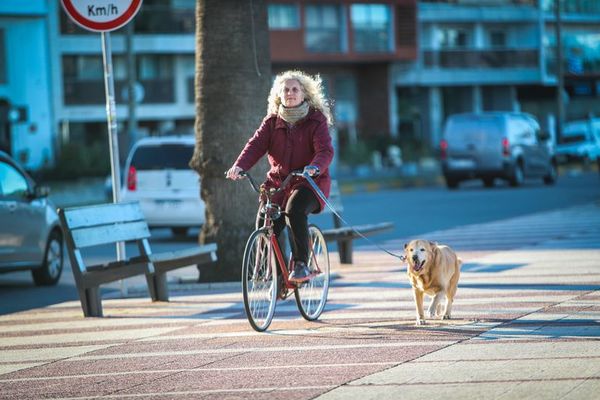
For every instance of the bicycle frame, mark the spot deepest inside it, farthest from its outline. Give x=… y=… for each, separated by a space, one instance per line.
x=260 y=288
x=269 y=210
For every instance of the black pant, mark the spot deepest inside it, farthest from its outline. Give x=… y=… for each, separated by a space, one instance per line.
x=302 y=202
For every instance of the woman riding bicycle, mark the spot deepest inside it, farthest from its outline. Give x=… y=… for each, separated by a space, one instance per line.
x=294 y=135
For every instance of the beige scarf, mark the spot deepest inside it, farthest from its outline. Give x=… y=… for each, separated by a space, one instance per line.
x=292 y=115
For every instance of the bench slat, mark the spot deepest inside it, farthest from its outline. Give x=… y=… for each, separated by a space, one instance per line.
x=104 y=234
x=102 y=214
x=101 y=276
x=117 y=264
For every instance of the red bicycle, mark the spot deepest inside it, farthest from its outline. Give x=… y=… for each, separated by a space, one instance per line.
x=261 y=283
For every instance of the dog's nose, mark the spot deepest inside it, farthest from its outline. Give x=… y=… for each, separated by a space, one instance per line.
x=415 y=257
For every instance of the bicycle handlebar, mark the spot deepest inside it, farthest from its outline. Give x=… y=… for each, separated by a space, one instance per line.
x=283 y=185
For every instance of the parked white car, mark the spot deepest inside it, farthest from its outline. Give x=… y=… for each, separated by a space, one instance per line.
x=157 y=175
x=580 y=141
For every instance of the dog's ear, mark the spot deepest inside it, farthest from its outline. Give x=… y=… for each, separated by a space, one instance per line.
x=405 y=246
x=433 y=244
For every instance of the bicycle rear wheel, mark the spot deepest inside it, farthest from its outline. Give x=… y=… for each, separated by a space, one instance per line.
x=311 y=296
x=259 y=280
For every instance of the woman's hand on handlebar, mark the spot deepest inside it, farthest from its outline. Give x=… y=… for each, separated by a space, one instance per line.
x=234 y=173
x=311 y=170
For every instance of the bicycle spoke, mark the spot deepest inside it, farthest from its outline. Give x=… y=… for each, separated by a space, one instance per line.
x=312 y=295
x=257 y=280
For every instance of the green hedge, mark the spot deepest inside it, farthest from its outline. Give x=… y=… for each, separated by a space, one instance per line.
x=77 y=160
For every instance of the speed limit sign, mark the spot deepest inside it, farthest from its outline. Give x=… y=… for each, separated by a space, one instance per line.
x=101 y=15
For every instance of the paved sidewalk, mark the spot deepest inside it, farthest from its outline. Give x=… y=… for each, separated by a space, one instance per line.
x=526 y=325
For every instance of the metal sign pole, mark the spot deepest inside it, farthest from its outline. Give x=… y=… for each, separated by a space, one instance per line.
x=113 y=140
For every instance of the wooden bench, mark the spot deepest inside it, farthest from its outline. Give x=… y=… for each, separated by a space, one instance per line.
x=344 y=235
x=122 y=222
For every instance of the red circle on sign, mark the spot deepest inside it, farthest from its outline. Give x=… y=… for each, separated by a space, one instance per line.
x=101 y=26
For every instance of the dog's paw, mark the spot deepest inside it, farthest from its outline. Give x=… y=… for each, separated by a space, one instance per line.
x=420 y=322
x=446 y=317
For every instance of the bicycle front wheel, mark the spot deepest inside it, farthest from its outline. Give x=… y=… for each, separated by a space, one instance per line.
x=311 y=296
x=259 y=280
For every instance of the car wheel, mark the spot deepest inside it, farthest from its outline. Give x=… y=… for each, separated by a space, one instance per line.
x=552 y=175
x=488 y=182
x=517 y=177
x=179 y=231
x=451 y=183
x=52 y=267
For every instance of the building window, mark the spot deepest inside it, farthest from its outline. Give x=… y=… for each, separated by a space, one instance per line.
x=189 y=71
x=371 y=26
x=84 y=79
x=284 y=16
x=581 y=51
x=154 y=17
x=323 y=28
x=2 y=58
x=168 y=17
x=497 y=39
x=452 y=38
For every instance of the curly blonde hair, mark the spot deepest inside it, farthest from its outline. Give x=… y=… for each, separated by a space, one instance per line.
x=313 y=92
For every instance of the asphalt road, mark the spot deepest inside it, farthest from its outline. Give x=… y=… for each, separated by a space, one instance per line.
x=414 y=211
x=420 y=210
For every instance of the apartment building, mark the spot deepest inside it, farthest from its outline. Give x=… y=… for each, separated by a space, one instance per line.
x=353 y=45
x=479 y=55
x=396 y=68
x=163 y=47
x=52 y=82
x=26 y=87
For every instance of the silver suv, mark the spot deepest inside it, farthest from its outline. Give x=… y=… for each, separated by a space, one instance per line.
x=490 y=145
x=30 y=234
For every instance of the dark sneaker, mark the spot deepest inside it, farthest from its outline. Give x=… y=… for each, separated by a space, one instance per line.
x=300 y=273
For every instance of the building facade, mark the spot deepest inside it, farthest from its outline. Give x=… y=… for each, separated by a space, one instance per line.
x=27 y=114
x=52 y=81
x=353 y=45
x=396 y=68
x=498 y=55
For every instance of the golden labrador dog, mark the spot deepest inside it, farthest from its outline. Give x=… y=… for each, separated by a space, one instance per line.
x=433 y=270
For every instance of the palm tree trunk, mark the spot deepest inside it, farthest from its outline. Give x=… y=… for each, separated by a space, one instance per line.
x=233 y=76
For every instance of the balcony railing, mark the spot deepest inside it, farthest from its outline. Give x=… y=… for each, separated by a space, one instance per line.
x=479 y=3
x=481 y=58
x=151 y=19
x=156 y=91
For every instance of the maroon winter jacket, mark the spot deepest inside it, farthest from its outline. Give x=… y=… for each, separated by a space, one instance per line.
x=290 y=148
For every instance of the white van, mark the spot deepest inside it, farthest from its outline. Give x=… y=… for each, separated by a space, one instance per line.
x=158 y=176
x=580 y=141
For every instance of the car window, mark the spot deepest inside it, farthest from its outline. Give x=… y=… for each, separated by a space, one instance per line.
x=574 y=137
x=465 y=127
x=12 y=183
x=522 y=131
x=165 y=156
